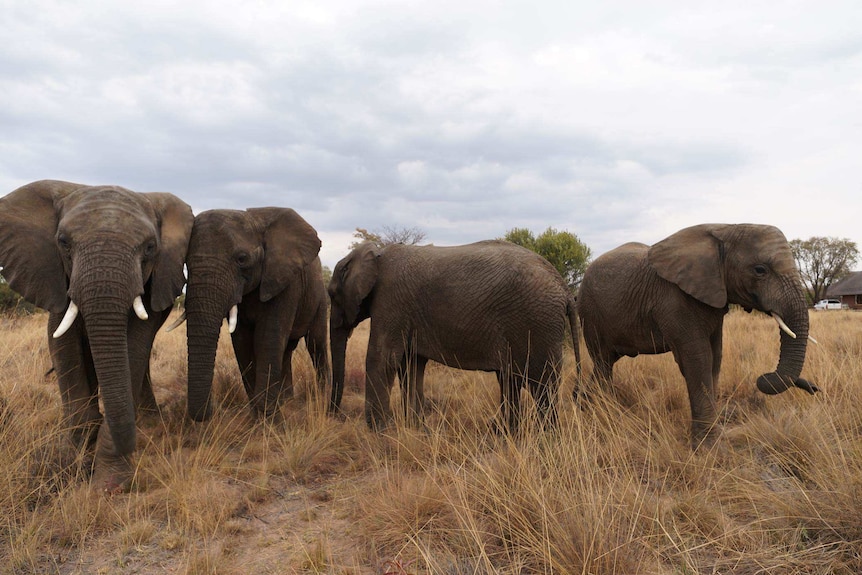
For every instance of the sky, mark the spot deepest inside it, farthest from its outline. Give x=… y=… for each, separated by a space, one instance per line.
x=616 y=121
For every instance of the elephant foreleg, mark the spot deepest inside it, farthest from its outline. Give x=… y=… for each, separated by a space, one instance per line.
x=696 y=364
x=140 y=339
x=380 y=371
x=284 y=387
x=243 y=347
x=76 y=378
x=316 y=343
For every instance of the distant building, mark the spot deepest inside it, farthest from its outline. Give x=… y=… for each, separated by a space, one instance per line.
x=848 y=289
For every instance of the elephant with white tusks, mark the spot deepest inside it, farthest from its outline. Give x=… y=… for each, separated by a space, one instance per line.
x=490 y=306
x=673 y=296
x=107 y=263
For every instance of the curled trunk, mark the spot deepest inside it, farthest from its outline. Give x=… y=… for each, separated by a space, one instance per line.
x=792 y=356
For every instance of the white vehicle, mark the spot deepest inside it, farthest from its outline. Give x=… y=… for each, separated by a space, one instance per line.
x=827 y=304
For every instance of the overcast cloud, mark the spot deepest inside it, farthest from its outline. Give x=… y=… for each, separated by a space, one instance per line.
x=615 y=121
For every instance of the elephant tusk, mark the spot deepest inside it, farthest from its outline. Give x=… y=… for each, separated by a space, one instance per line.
x=783 y=325
x=177 y=322
x=814 y=340
x=68 y=320
x=231 y=319
x=140 y=310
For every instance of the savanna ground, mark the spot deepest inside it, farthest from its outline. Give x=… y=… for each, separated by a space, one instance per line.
x=615 y=490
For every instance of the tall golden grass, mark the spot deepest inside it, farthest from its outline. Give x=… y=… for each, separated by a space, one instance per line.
x=616 y=489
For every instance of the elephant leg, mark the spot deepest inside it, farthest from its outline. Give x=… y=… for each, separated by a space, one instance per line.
x=696 y=364
x=316 y=341
x=715 y=342
x=411 y=373
x=76 y=378
x=272 y=354
x=604 y=359
x=243 y=347
x=284 y=388
x=543 y=387
x=510 y=398
x=140 y=339
x=380 y=371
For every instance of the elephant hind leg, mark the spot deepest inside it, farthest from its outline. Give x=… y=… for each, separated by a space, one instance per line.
x=411 y=374
x=604 y=359
x=544 y=387
x=510 y=398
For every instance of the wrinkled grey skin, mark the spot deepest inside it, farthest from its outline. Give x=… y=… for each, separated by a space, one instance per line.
x=490 y=306
x=673 y=297
x=100 y=246
x=264 y=261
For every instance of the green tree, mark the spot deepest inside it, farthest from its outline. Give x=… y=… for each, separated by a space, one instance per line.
x=562 y=248
x=388 y=235
x=327 y=275
x=822 y=261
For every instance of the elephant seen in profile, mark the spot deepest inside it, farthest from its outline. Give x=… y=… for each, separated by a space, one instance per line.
x=258 y=268
x=107 y=263
x=490 y=306
x=673 y=296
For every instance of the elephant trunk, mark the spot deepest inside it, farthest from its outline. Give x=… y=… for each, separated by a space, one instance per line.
x=104 y=297
x=206 y=307
x=792 y=356
x=338 y=345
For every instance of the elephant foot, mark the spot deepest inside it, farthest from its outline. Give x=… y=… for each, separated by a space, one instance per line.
x=705 y=437
x=112 y=477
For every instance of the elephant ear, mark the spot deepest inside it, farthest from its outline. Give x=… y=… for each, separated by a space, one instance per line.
x=289 y=244
x=360 y=276
x=692 y=258
x=29 y=255
x=175 y=228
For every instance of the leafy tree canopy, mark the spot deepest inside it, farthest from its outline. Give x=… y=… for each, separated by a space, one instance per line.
x=822 y=261
x=562 y=248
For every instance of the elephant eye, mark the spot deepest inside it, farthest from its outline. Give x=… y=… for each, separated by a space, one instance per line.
x=150 y=249
x=242 y=259
x=64 y=243
x=760 y=270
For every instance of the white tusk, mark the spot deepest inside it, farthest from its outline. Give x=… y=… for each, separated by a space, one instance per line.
x=139 y=308
x=814 y=340
x=68 y=320
x=177 y=322
x=231 y=319
x=783 y=325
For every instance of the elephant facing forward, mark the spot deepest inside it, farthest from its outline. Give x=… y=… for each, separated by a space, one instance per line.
x=259 y=268
x=90 y=255
x=673 y=297
x=490 y=306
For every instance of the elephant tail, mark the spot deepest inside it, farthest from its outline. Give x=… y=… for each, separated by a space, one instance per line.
x=572 y=312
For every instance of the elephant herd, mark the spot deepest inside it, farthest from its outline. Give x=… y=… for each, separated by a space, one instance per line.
x=107 y=264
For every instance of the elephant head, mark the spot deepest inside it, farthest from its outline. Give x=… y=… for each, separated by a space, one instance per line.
x=349 y=289
x=233 y=253
x=748 y=265
x=97 y=250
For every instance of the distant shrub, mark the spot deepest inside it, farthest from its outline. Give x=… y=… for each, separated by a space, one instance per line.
x=13 y=304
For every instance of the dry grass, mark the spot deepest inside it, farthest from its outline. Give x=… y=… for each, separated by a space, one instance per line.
x=615 y=490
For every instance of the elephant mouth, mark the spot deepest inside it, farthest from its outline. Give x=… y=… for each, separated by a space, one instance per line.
x=72 y=314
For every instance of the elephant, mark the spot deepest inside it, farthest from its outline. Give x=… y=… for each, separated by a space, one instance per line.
x=673 y=296
x=260 y=269
x=490 y=306
x=107 y=263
